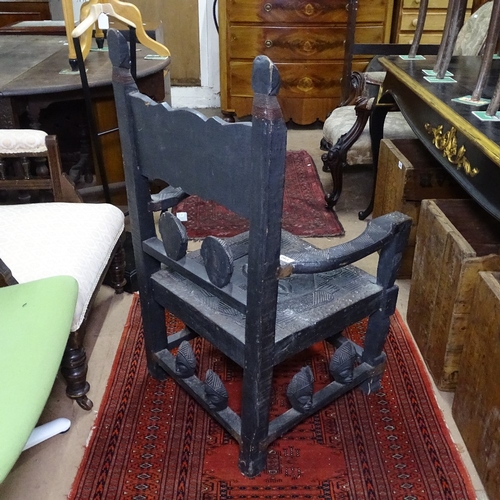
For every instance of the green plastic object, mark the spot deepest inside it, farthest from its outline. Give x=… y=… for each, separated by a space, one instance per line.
x=35 y=322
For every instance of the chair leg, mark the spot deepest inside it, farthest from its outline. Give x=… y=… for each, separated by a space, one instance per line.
x=332 y=162
x=74 y=369
x=377 y=120
x=256 y=405
x=116 y=271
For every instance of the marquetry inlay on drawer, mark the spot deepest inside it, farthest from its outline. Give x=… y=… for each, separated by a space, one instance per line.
x=301 y=11
x=311 y=80
x=289 y=43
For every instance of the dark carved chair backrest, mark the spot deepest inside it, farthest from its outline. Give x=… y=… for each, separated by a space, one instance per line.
x=238 y=165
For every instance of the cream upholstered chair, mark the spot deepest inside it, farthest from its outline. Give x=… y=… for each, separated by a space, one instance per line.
x=346 y=132
x=30 y=167
x=39 y=240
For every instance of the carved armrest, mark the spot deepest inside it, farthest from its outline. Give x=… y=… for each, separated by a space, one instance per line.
x=363 y=84
x=357 y=86
x=384 y=231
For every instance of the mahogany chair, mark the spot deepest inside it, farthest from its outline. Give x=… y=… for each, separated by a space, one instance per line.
x=259 y=297
x=58 y=236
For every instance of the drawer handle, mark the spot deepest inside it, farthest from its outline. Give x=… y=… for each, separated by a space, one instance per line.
x=414 y=22
x=417 y=1
x=268 y=43
x=268 y=7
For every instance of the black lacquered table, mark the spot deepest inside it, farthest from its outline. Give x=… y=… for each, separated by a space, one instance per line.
x=468 y=148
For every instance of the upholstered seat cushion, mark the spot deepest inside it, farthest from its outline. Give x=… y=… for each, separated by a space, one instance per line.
x=50 y=239
x=341 y=121
x=15 y=142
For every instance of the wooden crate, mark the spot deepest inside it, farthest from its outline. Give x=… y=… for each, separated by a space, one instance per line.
x=455 y=240
x=476 y=405
x=407 y=174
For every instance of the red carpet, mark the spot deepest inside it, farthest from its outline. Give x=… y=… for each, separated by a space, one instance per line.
x=304 y=212
x=153 y=442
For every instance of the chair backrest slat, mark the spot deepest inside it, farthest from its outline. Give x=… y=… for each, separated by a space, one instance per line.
x=185 y=149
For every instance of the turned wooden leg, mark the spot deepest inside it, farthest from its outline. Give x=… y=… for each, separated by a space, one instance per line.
x=333 y=163
x=3 y=169
x=116 y=271
x=41 y=167
x=74 y=369
x=375 y=337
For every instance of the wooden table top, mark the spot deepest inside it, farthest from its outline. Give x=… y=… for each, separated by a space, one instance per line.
x=32 y=64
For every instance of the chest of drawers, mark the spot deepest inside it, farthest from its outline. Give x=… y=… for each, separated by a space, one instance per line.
x=304 y=38
x=406 y=14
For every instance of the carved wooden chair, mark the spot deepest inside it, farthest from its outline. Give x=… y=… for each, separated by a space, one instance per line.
x=347 y=131
x=259 y=297
x=39 y=240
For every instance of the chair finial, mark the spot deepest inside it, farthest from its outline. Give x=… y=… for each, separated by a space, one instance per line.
x=118 y=49
x=265 y=76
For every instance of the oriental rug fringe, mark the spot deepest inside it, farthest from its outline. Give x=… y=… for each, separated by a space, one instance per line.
x=304 y=212
x=151 y=441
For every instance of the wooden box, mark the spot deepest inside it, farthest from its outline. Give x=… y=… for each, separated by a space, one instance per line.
x=476 y=405
x=455 y=240
x=407 y=174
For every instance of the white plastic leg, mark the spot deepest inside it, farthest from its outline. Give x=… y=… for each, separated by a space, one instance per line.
x=46 y=431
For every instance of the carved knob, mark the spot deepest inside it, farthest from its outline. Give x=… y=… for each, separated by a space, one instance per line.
x=268 y=7
x=268 y=43
x=414 y=22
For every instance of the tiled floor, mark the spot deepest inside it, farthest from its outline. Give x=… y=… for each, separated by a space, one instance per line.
x=46 y=471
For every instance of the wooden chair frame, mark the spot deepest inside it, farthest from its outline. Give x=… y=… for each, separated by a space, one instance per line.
x=259 y=297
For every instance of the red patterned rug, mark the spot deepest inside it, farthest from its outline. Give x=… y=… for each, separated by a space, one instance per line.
x=304 y=212
x=153 y=442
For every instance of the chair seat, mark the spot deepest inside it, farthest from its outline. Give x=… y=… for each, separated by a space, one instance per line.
x=320 y=299
x=19 y=141
x=51 y=239
x=341 y=121
x=34 y=329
